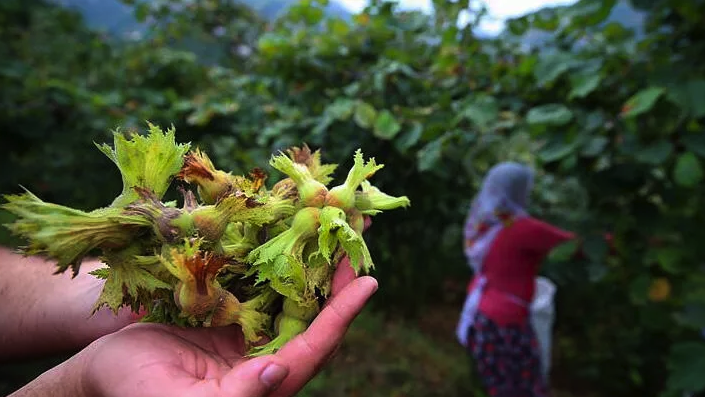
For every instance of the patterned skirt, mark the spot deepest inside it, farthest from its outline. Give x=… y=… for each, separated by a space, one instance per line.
x=507 y=359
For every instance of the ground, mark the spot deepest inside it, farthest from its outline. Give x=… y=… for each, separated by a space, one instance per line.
x=385 y=357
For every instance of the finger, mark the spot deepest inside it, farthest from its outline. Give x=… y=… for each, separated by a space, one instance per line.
x=311 y=349
x=254 y=377
x=330 y=325
x=344 y=274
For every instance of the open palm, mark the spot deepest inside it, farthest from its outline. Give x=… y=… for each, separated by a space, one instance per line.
x=160 y=360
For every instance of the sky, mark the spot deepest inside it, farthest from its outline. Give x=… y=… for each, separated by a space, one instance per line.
x=499 y=10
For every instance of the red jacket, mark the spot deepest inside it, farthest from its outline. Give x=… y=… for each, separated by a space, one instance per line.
x=512 y=264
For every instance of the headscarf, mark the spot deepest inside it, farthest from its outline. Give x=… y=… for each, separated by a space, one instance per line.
x=503 y=198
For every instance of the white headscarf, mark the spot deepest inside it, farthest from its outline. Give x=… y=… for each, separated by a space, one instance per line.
x=505 y=189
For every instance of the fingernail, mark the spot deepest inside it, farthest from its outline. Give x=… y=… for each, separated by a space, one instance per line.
x=372 y=285
x=273 y=375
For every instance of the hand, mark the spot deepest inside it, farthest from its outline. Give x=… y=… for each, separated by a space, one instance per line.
x=73 y=305
x=156 y=360
x=50 y=313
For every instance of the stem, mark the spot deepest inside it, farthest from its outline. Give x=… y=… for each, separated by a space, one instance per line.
x=169 y=224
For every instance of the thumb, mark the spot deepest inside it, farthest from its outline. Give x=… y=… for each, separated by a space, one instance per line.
x=254 y=377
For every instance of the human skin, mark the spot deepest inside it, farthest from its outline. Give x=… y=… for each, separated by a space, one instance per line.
x=46 y=313
x=144 y=360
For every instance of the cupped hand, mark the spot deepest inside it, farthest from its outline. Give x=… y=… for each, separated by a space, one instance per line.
x=159 y=360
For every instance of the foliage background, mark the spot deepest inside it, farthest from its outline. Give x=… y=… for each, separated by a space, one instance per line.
x=604 y=98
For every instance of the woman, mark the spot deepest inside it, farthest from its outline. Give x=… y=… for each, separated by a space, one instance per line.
x=505 y=247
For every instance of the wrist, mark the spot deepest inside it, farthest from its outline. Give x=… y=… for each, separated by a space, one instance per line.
x=65 y=380
x=52 y=313
x=71 y=310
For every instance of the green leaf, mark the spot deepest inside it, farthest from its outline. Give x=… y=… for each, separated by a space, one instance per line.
x=526 y=66
x=546 y=19
x=595 y=122
x=281 y=263
x=517 y=26
x=692 y=316
x=355 y=247
x=342 y=108
x=286 y=274
x=313 y=15
x=482 y=111
x=550 y=114
x=409 y=138
x=688 y=171
x=695 y=143
x=564 y=252
x=319 y=277
x=615 y=31
x=552 y=66
x=568 y=163
x=594 y=146
x=141 y=12
x=687 y=364
x=642 y=101
x=386 y=126
x=639 y=289
x=556 y=150
x=595 y=248
x=338 y=27
x=365 y=115
x=656 y=153
x=334 y=229
x=430 y=155
x=124 y=282
x=694 y=288
x=689 y=96
x=584 y=84
x=331 y=219
x=597 y=271
x=590 y=13
x=149 y=161
x=669 y=258
x=323 y=123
